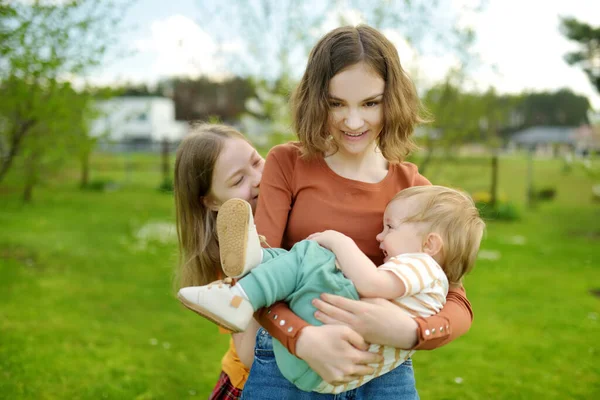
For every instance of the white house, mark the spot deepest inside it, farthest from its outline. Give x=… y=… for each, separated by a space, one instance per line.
x=139 y=120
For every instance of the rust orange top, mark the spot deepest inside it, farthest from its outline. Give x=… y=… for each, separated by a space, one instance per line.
x=299 y=197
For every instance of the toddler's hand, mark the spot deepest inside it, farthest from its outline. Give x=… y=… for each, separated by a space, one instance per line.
x=329 y=239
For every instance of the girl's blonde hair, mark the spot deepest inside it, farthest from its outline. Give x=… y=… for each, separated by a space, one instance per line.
x=340 y=49
x=199 y=260
x=453 y=215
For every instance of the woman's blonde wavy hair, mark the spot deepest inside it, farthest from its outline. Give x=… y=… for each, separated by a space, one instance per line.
x=199 y=261
x=336 y=51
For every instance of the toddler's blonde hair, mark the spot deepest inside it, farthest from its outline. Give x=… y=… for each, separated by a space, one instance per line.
x=451 y=214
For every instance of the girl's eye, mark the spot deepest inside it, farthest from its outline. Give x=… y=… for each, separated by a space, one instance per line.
x=335 y=104
x=237 y=183
x=256 y=163
x=371 y=103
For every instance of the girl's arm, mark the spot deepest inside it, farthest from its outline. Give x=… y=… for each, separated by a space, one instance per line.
x=380 y=321
x=244 y=343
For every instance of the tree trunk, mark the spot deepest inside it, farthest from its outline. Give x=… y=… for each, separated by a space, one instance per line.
x=18 y=134
x=428 y=156
x=165 y=161
x=30 y=177
x=530 y=197
x=85 y=169
x=494 y=185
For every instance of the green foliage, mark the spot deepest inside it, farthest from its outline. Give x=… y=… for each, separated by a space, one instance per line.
x=100 y=185
x=460 y=116
x=456 y=114
x=43 y=119
x=588 y=54
x=502 y=211
x=166 y=186
x=559 y=108
x=268 y=120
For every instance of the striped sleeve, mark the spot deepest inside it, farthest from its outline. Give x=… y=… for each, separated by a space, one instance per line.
x=416 y=271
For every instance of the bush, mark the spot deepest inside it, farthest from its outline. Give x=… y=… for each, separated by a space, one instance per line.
x=545 y=194
x=503 y=211
x=166 y=186
x=100 y=185
x=486 y=197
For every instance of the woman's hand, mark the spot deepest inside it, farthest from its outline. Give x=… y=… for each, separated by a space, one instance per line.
x=376 y=320
x=336 y=353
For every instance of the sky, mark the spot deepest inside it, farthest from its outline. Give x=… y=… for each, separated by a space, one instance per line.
x=518 y=43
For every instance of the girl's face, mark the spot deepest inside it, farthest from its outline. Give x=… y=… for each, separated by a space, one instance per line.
x=356 y=108
x=237 y=174
x=399 y=237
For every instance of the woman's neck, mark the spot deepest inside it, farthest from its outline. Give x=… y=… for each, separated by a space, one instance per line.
x=370 y=166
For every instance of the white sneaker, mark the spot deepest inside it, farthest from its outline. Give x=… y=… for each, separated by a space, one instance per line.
x=217 y=303
x=239 y=243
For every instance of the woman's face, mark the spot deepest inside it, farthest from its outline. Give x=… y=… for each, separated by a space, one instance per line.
x=237 y=174
x=356 y=108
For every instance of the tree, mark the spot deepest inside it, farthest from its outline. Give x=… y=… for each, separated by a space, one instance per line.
x=588 y=54
x=43 y=46
x=455 y=117
x=560 y=108
x=497 y=116
x=277 y=36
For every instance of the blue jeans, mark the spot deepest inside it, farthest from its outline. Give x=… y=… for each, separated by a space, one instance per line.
x=266 y=382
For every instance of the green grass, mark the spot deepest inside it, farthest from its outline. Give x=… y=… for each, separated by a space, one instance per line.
x=87 y=309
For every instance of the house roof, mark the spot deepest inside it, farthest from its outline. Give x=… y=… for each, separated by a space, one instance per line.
x=545 y=134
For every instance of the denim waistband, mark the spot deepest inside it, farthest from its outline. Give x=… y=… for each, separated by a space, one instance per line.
x=264 y=342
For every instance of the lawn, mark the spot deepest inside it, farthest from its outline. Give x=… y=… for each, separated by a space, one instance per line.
x=87 y=309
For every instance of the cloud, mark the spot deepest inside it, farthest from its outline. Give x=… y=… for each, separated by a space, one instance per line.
x=179 y=46
x=423 y=69
x=522 y=48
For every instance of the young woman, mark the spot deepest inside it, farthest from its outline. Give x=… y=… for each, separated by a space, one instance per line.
x=354 y=112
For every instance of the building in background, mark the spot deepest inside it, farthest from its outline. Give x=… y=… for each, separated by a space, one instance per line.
x=134 y=123
x=557 y=140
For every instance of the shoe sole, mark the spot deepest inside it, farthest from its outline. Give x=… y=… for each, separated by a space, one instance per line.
x=208 y=315
x=232 y=229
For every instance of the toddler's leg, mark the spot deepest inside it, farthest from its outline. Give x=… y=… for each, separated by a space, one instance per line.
x=239 y=243
x=281 y=277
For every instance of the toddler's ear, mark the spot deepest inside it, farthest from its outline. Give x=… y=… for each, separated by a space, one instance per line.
x=433 y=244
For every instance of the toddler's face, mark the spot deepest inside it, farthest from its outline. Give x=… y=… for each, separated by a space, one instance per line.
x=400 y=237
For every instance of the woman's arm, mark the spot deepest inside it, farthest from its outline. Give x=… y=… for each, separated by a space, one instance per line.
x=453 y=321
x=287 y=334
x=380 y=321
